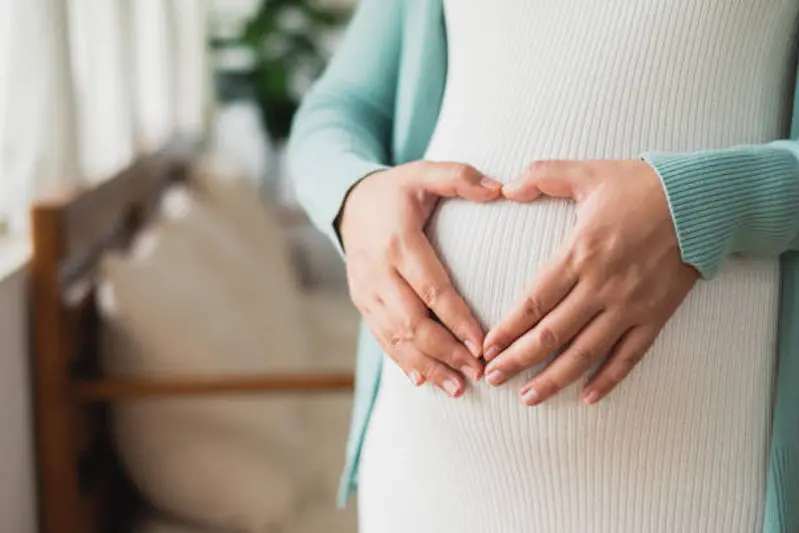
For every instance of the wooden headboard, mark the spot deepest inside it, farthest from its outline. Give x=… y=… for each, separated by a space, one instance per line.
x=82 y=488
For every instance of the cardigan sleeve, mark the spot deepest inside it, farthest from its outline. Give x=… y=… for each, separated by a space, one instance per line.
x=737 y=200
x=342 y=131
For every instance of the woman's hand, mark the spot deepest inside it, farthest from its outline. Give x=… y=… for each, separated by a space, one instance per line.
x=609 y=290
x=396 y=279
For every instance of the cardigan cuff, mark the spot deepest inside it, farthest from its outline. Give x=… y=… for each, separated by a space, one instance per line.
x=738 y=200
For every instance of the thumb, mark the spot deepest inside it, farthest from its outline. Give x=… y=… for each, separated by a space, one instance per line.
x=558 y=179
x=455 y=179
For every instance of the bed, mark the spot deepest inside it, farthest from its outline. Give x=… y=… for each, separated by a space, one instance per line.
x=81 y=485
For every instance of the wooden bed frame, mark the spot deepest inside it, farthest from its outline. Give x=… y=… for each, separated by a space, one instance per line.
x=82 y=488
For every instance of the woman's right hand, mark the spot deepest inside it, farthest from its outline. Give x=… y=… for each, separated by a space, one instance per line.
x=396 y=279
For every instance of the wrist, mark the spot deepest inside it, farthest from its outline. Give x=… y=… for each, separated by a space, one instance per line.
x=350 y=202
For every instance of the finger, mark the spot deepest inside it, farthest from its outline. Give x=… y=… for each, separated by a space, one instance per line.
x=556 y=330
x=590 y=346
x=561 y=179
x=378 y=322
x=414 y=362
x=429 y=280
x=418 y=366
x=444 y=378
x=421 y=368
x=412 y=321
x=456 y=179
x=627 y=353
x=550 y=286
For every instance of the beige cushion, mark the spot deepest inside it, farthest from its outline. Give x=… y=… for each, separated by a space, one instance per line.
x=200 y=297
x=251 y=216
x=153 y=523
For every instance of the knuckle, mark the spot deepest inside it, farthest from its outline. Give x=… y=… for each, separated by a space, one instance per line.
x=393 y=248
x=412 y=326
x=615 y=374
x=582 y=355
x=384 y=340
x=629 y=360
x=537 y=166
x=533 y=307
x=614 y=246
x=587 y=248
x=462 y=357
x=547 y=338
x=583 y=255
x=394 y=339
x=622 y=366
x=448 y=357
x=432 y=293
x=460 y=172
x=605 y=386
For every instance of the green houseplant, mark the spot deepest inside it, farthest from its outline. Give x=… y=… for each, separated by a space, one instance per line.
x=286 y=41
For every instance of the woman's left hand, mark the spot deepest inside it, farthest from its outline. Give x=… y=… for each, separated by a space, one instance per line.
x=610 y=289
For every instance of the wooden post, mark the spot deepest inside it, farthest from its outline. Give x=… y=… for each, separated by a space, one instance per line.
x=59 y=500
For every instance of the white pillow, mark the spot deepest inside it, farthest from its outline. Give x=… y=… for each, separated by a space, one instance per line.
x=202 y=299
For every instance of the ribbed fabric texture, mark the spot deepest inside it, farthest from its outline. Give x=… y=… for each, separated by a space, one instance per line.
x=682 y=445
x=412 y=101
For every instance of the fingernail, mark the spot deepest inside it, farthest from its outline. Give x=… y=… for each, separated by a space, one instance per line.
x=470 y=372
x=491 y=352
x=512 y=186
x=415 y=378
x=491 y=184
x=591 y=398
x=473 y=348
x=495 y=377
x=451 y=387
x=530 y=397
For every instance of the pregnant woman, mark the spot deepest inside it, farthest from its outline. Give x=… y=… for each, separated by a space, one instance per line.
x=541 y=202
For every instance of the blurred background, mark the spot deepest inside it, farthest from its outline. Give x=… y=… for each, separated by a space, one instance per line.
x=88 y=88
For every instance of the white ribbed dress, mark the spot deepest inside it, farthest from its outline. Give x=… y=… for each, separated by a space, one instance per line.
x=682 y=445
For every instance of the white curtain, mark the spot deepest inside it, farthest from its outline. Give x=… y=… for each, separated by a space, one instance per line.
x=192 y=67
x=87 y=85
x=154 y=67
x=5 y=30
x=102 y=85
x=39 y=146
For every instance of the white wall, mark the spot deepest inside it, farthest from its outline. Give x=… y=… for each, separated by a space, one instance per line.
x=17 y=477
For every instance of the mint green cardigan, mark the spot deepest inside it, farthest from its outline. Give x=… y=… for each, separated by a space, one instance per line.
x=376 y=105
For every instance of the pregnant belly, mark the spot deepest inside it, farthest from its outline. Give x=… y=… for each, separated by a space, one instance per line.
x=688 y=429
